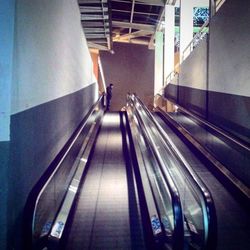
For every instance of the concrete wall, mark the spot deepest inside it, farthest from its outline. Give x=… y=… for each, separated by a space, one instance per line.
x=223 y=95
x=171 y=89
x=130 y=69
x=193 y=80
x=53 y=88
x=229 y=63
x=194 y=68
x=188 y=88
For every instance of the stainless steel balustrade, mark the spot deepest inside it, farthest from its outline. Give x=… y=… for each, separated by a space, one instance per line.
x=197 y=204
x=164 y=189
x=207 y=123
x=53 y=192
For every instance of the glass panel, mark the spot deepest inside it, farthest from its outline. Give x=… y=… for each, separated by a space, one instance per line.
x=189 y=194
x=52 y=195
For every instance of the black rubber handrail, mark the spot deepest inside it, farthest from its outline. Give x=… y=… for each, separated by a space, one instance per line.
x=178 y=233
x=152 y=241
x=218 y=130
x=240 y=189
x=208 y=208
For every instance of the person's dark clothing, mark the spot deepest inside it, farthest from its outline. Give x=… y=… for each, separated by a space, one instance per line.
x=109 y=91
x=109 y=96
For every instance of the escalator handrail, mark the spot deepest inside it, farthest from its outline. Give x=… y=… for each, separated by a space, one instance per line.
x=153 y=239
x=37 y=198
x=207 y=200
x=210 y=125
x=175 y=196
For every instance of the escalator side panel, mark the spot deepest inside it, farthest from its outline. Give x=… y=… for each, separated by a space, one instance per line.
x=232 y=218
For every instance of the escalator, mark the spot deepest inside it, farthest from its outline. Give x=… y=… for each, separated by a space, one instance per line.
x=172 y=177
x=107 y=212
x=233 y=217
x=103 y=205
x=219 y=145
x=121 y=184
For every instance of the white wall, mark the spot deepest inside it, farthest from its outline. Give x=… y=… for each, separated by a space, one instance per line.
x=193 y=71
x=229 y=68
x=51 y=54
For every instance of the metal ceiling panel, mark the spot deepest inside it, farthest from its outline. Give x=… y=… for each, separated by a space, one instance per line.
x=96 y=23
x=132 y=21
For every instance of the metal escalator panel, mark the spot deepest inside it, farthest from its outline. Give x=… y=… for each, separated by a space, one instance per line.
x=196 y=201
x=107 y=214
x=47 y=196
x=192 y=206
x=218 y=145
x=233 y=219
x=164 y=190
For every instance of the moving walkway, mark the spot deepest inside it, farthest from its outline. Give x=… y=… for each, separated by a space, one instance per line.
x=121 y=184
x=222 y=163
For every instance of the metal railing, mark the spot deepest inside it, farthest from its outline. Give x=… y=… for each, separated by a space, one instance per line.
x=199 y=36
x=172 y=74
x=209 y=125
x=218 y=4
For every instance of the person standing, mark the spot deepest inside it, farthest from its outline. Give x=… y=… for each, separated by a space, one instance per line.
x=109 y=95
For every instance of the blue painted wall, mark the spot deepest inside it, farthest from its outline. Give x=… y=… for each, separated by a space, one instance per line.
x=7 y=12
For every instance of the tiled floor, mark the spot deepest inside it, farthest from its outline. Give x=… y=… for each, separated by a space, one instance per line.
x=104 y=217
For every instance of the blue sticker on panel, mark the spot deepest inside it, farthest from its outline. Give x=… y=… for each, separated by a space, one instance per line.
x=156 y=225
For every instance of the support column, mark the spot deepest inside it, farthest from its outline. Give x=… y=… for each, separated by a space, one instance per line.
x=186 y=24
x=158 y=78
x=169 y=40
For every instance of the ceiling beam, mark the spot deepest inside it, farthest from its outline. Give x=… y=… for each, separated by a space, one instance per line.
x=152 y=2
x=135 y=41
x=149 y=2
x=97 y=46
x=144 y=2
x=133 y=35
x=136 y=26
x=93 y=36
x=136 y=12
x=98 y=40
x=91 y=1
x=94 y=17
x=90 y=9
x=92 y=24
x=95 y=30
x=161 y=3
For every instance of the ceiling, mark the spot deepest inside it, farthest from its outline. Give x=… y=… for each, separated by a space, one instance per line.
x=127 y=21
